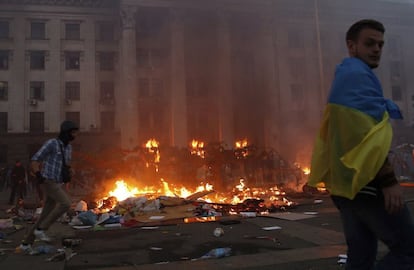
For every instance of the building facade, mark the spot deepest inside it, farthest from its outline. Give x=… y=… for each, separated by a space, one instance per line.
x=177 y=70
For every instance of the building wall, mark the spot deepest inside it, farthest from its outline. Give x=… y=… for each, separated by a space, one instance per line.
x=217 y=71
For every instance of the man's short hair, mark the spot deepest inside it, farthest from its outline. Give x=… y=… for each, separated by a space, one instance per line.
x=356 y=28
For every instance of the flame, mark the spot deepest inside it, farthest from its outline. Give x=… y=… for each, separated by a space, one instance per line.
x=306 y=170
x=197 y=148
x=122 y=191
x=241 y=144
x=242 y=149
x=152 y=146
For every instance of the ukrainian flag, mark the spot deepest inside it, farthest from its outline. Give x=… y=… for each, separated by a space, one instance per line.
x=355 y=135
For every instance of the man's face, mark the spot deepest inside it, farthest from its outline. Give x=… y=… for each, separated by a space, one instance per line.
x=74 y=133
x=367 y=47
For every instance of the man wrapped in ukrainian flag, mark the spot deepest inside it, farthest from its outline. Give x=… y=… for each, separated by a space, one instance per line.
x=350 y=157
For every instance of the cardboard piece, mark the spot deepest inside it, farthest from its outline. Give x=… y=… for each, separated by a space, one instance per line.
x=289 y=216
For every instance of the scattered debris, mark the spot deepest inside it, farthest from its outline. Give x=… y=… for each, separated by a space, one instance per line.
x=271 y=228
x=218 y=232
x=217 y=253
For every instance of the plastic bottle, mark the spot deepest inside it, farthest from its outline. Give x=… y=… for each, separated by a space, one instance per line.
x=217 y=253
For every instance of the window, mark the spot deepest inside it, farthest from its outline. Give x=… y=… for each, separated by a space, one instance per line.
x=37 y=90
x=396 y=93
x=156 y=57
x=197 y=87
x=106 y=31
x=37 y=122
x=150 y=87
x=150 y=58
x=72 y=31
x=72 y=90
x=143 y=87
x=157 y=88
x=3 y=122
x=37 y=60
x=395 y=69
x=198 y=123
x=107 y=93
x=4 y=59
x=4 y=90
x=151 y=120
x=37 y=30
x=73 y=116
x=106 y=60
x=4 y=29
x=144 y=120
x=296 y=66
x=143 y=58
x=72 y=60
x=107 y=120
x=3 y=153
x=296 y=91
x=394 y=47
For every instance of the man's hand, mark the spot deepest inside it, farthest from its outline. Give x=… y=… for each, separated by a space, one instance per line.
x=393 y=198
x=34 y=167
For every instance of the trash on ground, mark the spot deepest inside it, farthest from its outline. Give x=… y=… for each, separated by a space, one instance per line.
x=217 y=253
x=312 y=213
x=218 y=232
x=271 y=228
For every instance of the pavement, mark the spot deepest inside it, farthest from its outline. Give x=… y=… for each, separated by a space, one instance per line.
x=311 y=243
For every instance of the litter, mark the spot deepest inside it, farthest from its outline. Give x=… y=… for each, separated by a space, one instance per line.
x=272 y=228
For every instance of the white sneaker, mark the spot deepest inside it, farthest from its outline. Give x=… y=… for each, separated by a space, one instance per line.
x=42 y=236
x=24 y=248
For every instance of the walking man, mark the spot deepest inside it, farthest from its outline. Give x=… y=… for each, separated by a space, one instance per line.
x=47 y=165
x=350 y=157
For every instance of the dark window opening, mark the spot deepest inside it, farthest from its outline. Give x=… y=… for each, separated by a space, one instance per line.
x=72 y=60
x=37 y=90
x=4 y=60
x=72 y=90
x=37 y=30
x=4 y=90
x=72 y=31
x=37 y=60
x=37 y=122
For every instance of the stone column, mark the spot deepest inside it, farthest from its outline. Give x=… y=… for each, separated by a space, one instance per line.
x=127 y=102
x=225 y=91
x=270 y=86
x=179 y=136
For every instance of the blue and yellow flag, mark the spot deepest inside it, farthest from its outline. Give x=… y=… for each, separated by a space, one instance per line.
x=355 y=134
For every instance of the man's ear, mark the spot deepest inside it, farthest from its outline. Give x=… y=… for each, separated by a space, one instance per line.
x=351 y=45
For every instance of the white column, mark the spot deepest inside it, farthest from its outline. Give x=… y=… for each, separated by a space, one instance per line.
x=178 y=88
x=226 y=131
x=267 y=60
x=127 y=103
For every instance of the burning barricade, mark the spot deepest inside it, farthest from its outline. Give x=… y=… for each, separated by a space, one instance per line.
x=133 y=207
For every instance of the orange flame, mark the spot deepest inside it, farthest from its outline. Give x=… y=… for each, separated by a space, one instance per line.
x=197 y=148
x=241 y=144
x=122 y=191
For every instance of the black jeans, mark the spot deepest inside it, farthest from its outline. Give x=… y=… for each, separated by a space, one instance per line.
x=365 y=221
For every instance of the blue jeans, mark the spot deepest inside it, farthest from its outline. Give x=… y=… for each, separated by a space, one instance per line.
x=365 y=221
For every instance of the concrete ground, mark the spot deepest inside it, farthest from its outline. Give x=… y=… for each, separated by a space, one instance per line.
x=307 y=244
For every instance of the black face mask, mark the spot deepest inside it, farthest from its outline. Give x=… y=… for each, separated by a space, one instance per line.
x=66 y=136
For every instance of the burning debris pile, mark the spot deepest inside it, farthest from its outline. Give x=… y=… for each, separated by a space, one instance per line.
x=130 y=206
x=232 y=182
